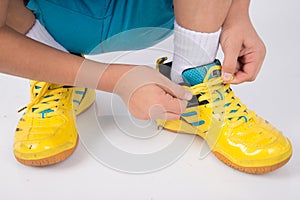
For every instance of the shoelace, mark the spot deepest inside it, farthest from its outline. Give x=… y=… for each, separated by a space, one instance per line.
x=46 y=99
x=221 y=98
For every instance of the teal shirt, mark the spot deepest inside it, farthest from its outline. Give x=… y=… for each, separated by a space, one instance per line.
x=97 y=26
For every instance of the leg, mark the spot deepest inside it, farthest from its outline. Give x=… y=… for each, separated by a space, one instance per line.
x=197 y=32
x=235 y=134
x=201 y=15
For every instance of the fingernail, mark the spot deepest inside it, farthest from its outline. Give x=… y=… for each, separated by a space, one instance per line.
x=188 y=96
x=227 y=76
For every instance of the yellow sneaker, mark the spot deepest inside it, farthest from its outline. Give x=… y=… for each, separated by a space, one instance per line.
x=83 y=98
x=46 y=133
x=236 y=135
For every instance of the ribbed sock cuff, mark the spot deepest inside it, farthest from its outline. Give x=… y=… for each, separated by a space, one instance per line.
x=192 y=49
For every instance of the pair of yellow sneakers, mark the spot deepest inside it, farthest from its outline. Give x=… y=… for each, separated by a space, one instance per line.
x=46 y=133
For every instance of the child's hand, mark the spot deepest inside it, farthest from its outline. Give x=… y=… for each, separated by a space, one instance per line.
x=243 y=49
x=150 y=95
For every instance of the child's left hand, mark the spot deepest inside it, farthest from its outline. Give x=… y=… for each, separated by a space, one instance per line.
x=243 y=49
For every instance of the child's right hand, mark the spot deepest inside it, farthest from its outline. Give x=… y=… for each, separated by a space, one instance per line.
x=150 y=95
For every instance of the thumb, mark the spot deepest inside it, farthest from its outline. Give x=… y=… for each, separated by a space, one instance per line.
x=231 y=54
x=176 y=90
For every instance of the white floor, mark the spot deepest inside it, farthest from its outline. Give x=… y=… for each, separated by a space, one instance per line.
x=109 y=164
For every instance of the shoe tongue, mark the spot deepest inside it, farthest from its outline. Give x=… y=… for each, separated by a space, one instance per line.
x=37 y=89
x=196 y=75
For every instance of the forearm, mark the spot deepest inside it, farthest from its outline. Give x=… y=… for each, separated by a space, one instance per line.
x=239 y=10
x=24 y=57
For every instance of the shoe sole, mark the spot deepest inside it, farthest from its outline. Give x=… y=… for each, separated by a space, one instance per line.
x=49 y=160
x=249 y=170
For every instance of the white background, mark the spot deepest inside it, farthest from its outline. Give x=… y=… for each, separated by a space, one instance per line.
x=274 y=96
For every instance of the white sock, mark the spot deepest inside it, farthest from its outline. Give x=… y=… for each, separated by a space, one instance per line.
x=192 y=49
x=39 y=33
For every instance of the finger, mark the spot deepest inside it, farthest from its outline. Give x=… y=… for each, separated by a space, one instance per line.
x=158 y=112
x=238 y=67
x=248 y=73
x=254 y=59
x=240 y=77
x=171 y=116
x=169 y=103
x=167 y=116
x=173 y=104
x=231 y=54
x=176 y=90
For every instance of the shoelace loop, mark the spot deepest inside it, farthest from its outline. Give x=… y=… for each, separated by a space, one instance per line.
x=221 y=98
x=46 y=99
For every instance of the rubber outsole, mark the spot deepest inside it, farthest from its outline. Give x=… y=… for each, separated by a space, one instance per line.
x=49 y=160
x=249 y=170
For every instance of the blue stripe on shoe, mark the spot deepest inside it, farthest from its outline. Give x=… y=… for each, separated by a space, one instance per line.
x=51 y=95
x=243 y=117
x=198 y=123
x=188 y=114
x=45 y=112
x=79 y=92
x=221 y=95
x=76 y=101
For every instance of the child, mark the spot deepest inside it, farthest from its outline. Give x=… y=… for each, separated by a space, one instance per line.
x=46 y=133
